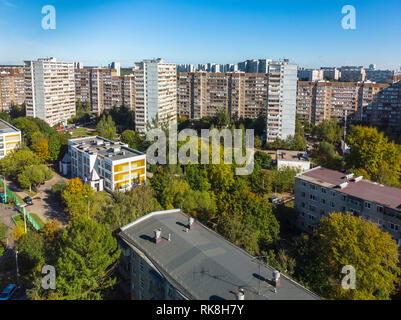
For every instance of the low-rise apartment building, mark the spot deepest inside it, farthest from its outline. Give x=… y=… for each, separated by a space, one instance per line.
x=167 y=255
x=10 y=138
x=320 y=191
x=105 y=164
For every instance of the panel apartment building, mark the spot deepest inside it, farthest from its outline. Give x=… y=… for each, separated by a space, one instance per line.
x=104 y=89
x=50 y=90
x=167 y=255
x=155 y=93
x=243 y=95
x=104 y=164
x=12 y=90
x=366 y=102
x=320 y=191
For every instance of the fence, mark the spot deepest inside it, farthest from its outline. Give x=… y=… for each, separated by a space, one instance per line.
x=20 y=208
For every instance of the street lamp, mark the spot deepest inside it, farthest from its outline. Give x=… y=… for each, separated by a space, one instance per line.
x=23 y=211
x=16 y=263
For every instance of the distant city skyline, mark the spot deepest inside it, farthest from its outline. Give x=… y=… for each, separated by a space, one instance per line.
x=98 y=32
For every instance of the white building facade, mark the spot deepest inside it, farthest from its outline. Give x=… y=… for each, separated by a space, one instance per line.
x=50 y=90
x=281 y=100
x=155 y=93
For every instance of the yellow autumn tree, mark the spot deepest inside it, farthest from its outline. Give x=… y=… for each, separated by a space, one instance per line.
x=41 y=149
x=77 y=197
x=345 y=240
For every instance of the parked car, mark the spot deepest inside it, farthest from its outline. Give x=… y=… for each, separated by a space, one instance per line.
x=274 y=199
x=28 y=200
x=8 y=292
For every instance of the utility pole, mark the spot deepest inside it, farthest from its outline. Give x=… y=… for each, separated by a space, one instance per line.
x=345 y=125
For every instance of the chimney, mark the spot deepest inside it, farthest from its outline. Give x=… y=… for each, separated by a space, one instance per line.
x=158 y=235
x=276 y=278
x=191 y=223
x=240 y=294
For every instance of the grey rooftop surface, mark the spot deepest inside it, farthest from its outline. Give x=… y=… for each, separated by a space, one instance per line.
x=204 y=266
x=114 y=150
x=5 y=127
x=287 y=155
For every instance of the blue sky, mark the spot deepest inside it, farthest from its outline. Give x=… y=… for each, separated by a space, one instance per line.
x=309 y=33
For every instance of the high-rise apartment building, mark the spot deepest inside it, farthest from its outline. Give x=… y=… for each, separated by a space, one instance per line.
x=201 y=94
x=243 y=95
x=116 y=66
x=352 y=73
x=330 y=73
x=281 y=100
x=156 y=93
x=367 y=102
x=50 y=90
x=12 y=90
x=310 y=74
x=104 y=89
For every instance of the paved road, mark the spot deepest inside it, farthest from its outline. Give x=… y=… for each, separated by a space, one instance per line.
x=5 y=215
x=44 y=204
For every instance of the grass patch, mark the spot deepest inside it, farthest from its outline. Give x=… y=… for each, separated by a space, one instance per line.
x=19 y=220
x=82 y=132
x=38 y=220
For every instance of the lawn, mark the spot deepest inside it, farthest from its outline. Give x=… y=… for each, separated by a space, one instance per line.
x=19 y=220
x=78 y=132
x=38 y=220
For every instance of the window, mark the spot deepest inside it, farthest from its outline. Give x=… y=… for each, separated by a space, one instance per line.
x=379 y=222
x=312 y=197
x=394 y=227
x=303 y=194
x=344 y=198
x=324 y=201
x=368 y=205
x=333 y=194
x=303 y=205
x=324 y=190
x=313 y=187
x=380 y=209
x=332 y=204
x=304 y=184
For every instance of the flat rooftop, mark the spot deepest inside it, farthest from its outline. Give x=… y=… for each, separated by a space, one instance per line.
x=296 y=156
x=202 y=265
x=5 y=127
x=114 y=150
x=363 y=189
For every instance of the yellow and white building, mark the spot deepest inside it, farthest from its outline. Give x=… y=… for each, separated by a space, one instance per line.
x=105 y=164
x=10 y=138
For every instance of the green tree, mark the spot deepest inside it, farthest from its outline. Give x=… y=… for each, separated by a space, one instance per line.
x=54 y=146
x=17 y=161
x=126 y=207
x=328 y=130
x=31 y=253
x=344 y=240
x=196 y=176
x=106 y=128
x=283 y=180
x=372 y=152
x=133 y=139
x=34 y=175
x=87 y=251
